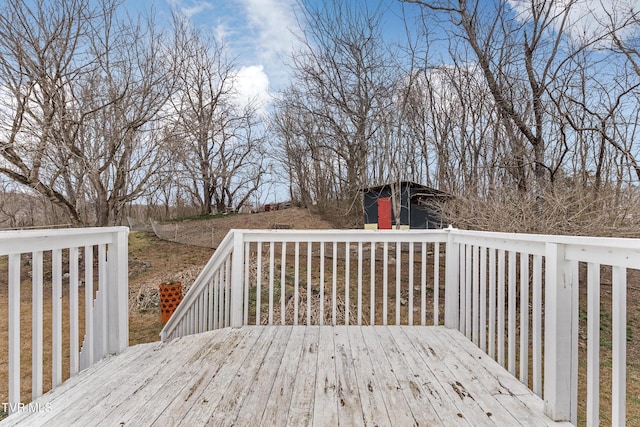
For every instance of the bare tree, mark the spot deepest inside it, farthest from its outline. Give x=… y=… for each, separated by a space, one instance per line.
x=518 y=56
x=342 y=75
x=81 y=92
x=220 y=138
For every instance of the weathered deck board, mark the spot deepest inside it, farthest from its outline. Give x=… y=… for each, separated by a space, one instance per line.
x=302 y=400
x=295 y=375
x=421 y=406
x=371 y=397
x=390 y=389
x=276 y=404
x=325 y=408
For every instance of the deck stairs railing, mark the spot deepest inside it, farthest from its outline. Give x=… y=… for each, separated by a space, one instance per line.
x=526 y=300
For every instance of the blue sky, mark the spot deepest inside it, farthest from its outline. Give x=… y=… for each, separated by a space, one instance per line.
x=259 y=33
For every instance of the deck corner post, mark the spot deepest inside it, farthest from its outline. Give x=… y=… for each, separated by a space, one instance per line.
x=559 y=400
x=237 y=278
x=452 y=281
x=118 y=292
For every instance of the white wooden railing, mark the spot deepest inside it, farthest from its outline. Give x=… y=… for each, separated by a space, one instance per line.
x=66 y=263
x=491 y=276
x=482 y=281
x=243 y=283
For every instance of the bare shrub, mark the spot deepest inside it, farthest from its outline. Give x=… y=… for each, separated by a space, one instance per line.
x=559 y=210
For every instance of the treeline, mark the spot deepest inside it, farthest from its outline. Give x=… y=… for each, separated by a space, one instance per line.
x=529 y=106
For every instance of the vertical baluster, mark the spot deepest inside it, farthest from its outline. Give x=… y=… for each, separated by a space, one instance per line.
x=475 y=256
x=210 y=303
x=436 y=280
x=524 y=318
x=74 y=364
x=423 y=286
x=88 y=304
x=283 y=282
x=537 y=324
x=296 y=283
x=14 y=330
x=398 y=280
x=501 y=306
x=216 y=300
x=202 y=312
x=483 y=299
x=360 y=283
x=37 y=324
x=511 y=333
x=347 y=256
x=271 y=279
x=334 y=283
x=463 y=289
x=56 y=318
x=227 y=292
x=385 y=282
x=247 y=282
x=593 y=344
x=309 y=252
x=492 y=303
x=221 y=297
x=372 y=285
x=102 y=288
x=468 y=293
x=321 y=283
x=258 y=282
x=410 y=301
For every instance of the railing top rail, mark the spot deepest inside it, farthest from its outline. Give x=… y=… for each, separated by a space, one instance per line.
x=21 y=241
x=609 y=242
x=342 y=235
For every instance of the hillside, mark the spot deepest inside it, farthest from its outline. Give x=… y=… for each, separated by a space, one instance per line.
x=209 y=232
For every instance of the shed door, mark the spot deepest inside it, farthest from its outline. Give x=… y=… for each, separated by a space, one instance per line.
x=384 y=213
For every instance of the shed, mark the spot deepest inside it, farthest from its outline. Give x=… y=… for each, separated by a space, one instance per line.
x=418 y=206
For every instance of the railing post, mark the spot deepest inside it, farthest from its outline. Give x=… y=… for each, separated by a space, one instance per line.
x=237 y=285
x=559 y=373
x=118 y=293
x=452 y=282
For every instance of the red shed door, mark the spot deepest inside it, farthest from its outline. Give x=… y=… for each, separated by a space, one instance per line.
x=384 y=213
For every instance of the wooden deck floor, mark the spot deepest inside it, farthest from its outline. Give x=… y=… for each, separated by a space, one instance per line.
x=285 y=375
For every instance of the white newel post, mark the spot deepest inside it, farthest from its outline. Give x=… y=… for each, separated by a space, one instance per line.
x=237 y=285
x=452 y=282
x=118 y=292
x=559 y=374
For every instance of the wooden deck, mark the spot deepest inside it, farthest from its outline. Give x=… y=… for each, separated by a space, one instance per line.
x=294 y=375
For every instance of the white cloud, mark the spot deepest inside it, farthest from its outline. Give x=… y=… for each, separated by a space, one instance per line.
x=252 y=86
x=190 y=8
x=274 y=20
x=587 y=20
x=273 y=25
